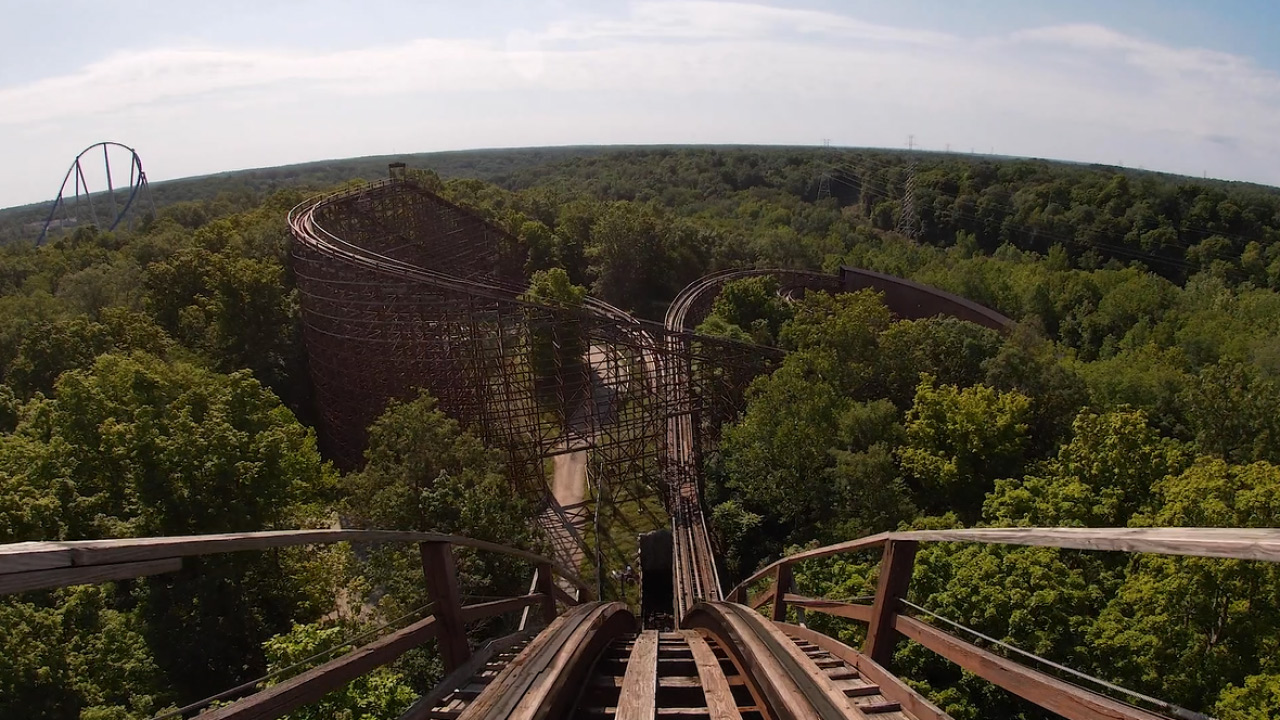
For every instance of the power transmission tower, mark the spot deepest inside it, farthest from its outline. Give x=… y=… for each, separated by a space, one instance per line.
x=909 y=218
x=824 y=182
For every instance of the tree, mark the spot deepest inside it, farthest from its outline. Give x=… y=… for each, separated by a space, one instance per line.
x=753 y=304
x=137 y=446
x=1099 y=479
x=641 y=259
x=381 y=693
x=557 y=344
x=238 y=311
x=952 y=351
x=423 y=472
x=49 y=349
x=75 y=657
x=959 y=441
x=1182 y=627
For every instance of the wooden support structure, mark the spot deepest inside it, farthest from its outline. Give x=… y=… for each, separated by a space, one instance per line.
x=442 y=587
x=546 y=583
x=895 y=575
x=781 y=586
x=853 y=611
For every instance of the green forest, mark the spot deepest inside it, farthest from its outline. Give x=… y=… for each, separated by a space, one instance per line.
x=154 y=382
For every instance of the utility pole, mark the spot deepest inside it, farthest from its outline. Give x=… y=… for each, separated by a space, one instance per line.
x=911 y=142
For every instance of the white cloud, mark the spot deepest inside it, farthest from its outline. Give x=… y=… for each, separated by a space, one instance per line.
x=668 y=71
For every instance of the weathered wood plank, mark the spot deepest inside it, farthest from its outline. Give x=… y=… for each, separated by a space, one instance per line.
x=1237 y=543
x=1065 y=699
x=890 y=686
x=781 y=586
x=442 y=588
x=563 y=596
x=853 y=611
x=720 y=702
x=553 y=691
x=28 y=556
x=21 y=557
x=318 y=681
x=817 y=676
x=864 y=543
x=895 y=575
x=63 y=577
x=640 y=683
x=547 y=588
x=762 y=599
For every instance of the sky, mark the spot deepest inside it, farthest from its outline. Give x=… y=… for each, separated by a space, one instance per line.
x=1186 y=86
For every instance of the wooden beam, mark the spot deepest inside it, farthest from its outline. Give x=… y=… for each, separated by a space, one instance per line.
x=762 y=599
x=721 y=704
x=442 y=587
x=546 y=582
x=853 y=611
x=315 y=683
x=637 y=699
x=1237 y=543
x=781 y=585
x=27 y=556
x=1050 y=693
x=890 y=686
x=895 y=575
x=63 y=577
x=563 y=596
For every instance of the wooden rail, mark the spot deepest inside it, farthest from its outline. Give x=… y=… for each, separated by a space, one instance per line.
x=886 y=624
x=42 y=565
x=91 y=561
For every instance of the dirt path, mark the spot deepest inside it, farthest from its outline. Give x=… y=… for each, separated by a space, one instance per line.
x=569 y=486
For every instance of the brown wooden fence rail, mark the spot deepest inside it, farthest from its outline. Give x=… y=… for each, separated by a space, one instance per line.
x=42 y=565
x=886 y=623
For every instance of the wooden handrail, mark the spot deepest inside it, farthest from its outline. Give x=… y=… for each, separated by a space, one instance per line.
x=315 y=683
x=1236 y=543
x=853 y=611
x=1057 y=696
x=18 y=559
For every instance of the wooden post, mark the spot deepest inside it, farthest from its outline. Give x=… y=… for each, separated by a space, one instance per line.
x=895 y=576
x=442 y=588
x=547 y=586
x=739 y=595
x=781 y=586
